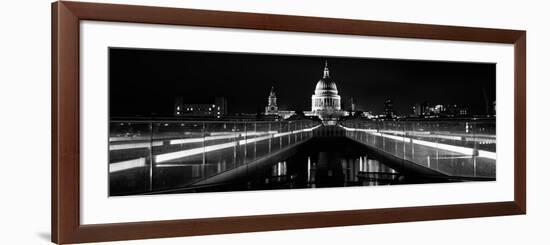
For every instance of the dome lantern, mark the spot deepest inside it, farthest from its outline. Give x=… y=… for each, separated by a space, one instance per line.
x=326 y=71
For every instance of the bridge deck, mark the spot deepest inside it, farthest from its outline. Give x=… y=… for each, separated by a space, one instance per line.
x=155 y=163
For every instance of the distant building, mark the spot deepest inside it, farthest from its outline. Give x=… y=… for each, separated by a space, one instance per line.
x=273 y=109
x=439 y=109
x=463 y=111
x=351 y=107
x=416 y=110
x=222 y=103
x=216 y=109
x=422 y=109
x=388 y=109
x=457 y=111
x=368 y=114
x=425 y=110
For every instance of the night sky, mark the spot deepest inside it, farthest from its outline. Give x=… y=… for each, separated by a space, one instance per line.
x=146 y=82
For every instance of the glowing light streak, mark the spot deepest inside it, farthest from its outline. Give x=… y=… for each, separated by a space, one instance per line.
x=458 y=149
x=439 y=136
x=454 y=157
x=126 y=165
x=242 y=133
x=191 y=152
x=202 y=139
x=282 y=134
x=186 y=153
x=250 y=133
x=487 y=154
x=310 y=129
x=252 y=140
x=134 y=145
x=224 y=135
x=393 y=137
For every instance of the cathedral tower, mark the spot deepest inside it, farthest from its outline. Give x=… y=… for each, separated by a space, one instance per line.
x=271 y=108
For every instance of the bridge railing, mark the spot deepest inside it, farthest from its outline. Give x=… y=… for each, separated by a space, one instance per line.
x=159 y=155
x=464 y=148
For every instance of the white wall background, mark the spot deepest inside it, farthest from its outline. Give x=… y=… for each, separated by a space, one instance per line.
x=25 y=121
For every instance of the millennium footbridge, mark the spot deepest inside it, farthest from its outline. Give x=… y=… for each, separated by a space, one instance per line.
x=149 y=157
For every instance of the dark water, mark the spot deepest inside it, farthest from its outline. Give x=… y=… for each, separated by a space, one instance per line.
x=325 y=169
x=318 y=164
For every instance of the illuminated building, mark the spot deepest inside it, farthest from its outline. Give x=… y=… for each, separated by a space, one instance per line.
x=425 y=110
x=216 y=109
x=388 y=109
x=325 y=102
x=439 y=109
x=273 y=109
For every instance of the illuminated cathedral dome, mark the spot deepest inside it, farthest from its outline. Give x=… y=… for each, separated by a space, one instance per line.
x=326 y=96
x=325 y=86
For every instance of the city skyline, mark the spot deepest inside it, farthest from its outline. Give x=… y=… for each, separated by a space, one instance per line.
x=246 y=80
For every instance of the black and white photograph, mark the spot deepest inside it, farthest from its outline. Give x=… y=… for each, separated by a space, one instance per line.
x=185 y=121
x=275 y=122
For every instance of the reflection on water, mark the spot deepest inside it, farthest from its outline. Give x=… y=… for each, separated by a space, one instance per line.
x=319 y=164
x=325 y=169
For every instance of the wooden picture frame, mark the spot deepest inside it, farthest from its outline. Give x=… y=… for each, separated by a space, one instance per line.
x=65 y=176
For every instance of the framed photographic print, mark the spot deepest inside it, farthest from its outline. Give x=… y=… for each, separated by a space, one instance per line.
x=177 y=122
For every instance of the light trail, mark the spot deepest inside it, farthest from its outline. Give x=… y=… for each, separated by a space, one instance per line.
x=166 y=157
x=190 y=152
x=185 y=153
x=116 y=147
x=447 y=147
x=202 y=139
x=126 y=165
x=219 y=136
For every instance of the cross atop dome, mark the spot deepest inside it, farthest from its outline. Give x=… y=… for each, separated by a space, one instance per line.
x=326 y=71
